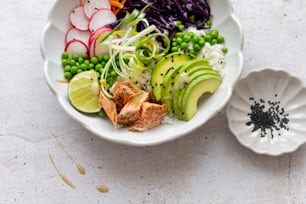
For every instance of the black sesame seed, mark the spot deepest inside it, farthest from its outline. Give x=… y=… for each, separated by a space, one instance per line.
x=267 y=117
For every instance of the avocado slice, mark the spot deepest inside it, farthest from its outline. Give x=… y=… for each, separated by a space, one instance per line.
x=162 y=67
x=171 y=79
x=175 y=82
x=207 y=83
x=179 y=94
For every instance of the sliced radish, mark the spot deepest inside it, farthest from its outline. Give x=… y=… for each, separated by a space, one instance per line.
x=75 y=34
x=97 y=33
x=101 y=18
x=101 y=48
x=78 y=18
x=76 y=47
x=91 y=6
x=93 y=38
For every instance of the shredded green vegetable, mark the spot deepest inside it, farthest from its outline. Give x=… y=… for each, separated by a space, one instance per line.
x=135 y=51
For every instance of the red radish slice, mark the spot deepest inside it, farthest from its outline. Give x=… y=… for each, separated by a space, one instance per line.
x=91 y=6
x=100 y=48
x=76 y=47
x=78 y=18
x=75 y=34
x=101 y=18
x=97 y=33
x=93 y=38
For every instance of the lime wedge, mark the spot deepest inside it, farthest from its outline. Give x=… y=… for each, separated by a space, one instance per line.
x=83 y=92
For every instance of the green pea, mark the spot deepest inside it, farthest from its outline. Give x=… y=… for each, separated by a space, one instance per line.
x=80 y=60
x=101 y=70
x=67 y=75
x=220 y=39
x=65 y=62
x=72 y=62
x=178 y=40
x=74 y=69
x=202 y=42
x=181 y=27
x=83 y=66
x=192 y=18
x=101 y=113
x=67 y=68
x=113 y=74
x=190 y=34
x=213 y=41
x=209 y=23
x=195 y=38
x=214 y=34
x=110 y=83
x=94 y=60
x=224 y=50
x=174 y=49
x=91 y=66
x=100 y=58
x=106 y=57
x=186 y=38
x=196 y=47
x=174 y=44
x=184 y=46
x=103 y=63
x=86 y=62
x=178 y=22
x=65 y=55
x=75 y=57
x=179 y=34
x=79 y=71
x=98 y=67
x=207 y=38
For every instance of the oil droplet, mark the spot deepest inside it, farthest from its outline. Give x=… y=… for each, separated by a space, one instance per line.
x=102 y=188
x=63 y=177
x=81 y=169
x=67 y=181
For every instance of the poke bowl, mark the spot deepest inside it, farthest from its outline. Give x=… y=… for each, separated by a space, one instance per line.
x=65 y=16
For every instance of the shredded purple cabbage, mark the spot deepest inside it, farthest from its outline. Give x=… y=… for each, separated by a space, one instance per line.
x=165 y=13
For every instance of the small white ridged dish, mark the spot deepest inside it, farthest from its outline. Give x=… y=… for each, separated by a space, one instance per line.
x=267 y=112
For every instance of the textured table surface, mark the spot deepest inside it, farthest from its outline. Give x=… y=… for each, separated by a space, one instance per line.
x=207 y=166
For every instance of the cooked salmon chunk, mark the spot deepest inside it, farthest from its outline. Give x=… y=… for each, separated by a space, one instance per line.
x=151 y=115
x=123 y=92
x=109 y=107
x=131 y=110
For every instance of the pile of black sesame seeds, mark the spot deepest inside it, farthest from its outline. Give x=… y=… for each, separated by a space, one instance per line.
x=268 y=117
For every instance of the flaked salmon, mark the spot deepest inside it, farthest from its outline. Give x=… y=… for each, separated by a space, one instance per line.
x=123 y=92
x=131 y=107
x=151 y=115
x=131 y=110
x=109 y=107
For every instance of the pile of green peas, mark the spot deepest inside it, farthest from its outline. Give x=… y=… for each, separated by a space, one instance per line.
x=75 y=64
x=192 y=43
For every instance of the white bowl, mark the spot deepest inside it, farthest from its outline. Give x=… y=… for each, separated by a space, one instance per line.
x=264 y=130
x=52 y=45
